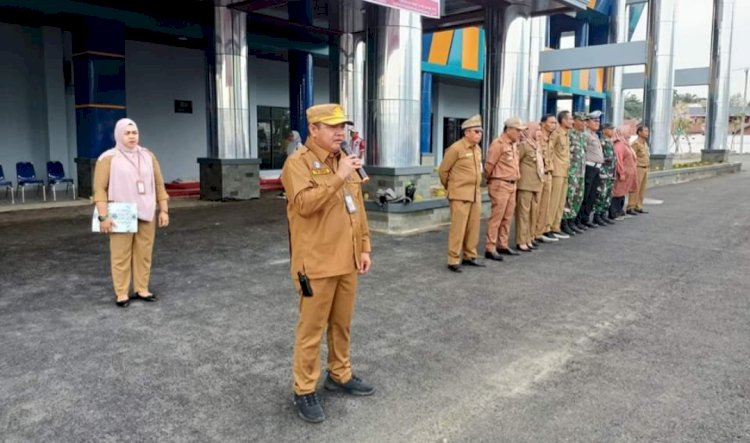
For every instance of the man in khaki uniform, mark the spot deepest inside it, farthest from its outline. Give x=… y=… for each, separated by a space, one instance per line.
x=502 y=173
x=461 y=175
x=643 y=155
x=560 y=147
x=542 y=225
x=330 y=245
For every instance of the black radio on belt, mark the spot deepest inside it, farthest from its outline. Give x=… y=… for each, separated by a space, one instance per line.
x=304 y=284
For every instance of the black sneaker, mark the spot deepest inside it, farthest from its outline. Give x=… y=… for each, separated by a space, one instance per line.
x=308 y=408
x=355 y=386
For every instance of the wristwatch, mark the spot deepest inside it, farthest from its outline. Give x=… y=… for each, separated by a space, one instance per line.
x=103 y=217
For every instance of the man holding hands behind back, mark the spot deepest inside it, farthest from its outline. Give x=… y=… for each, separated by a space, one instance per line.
x=330 y=245
x=461 y=175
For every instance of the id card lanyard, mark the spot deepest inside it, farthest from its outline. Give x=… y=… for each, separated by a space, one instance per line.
x=140 y=184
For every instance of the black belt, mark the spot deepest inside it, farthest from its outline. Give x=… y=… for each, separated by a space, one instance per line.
x=512 y=182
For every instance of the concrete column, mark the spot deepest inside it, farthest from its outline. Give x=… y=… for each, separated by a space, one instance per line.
x=301 y=83
x=229 y=173
x=618 y=34
x=232 y=99
x=536 y=87
x=426 y=115
x=717 y=115
x=348 y=55
x=56 y=107
x=99 y=72
x=394 y=44
x=506 y=81
x=579 y=103
x=659 y=85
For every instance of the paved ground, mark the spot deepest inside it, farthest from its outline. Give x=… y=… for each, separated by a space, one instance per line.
x=636 y=332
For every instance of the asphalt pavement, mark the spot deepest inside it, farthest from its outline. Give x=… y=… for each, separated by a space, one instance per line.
x=634 y=332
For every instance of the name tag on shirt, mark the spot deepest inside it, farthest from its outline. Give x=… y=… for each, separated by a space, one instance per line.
x=321 y=171
x=351 y=207
x=141 y=187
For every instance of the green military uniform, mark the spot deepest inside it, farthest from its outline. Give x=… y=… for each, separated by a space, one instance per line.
x=607 y=175
x=576 y=174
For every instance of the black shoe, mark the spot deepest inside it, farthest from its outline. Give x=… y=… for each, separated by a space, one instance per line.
x=122 y=303
x=507 y=251
x=148 y=298
x=631 y=212
x=473 y=262
x=566 y=229
x=355 y=386
x=641 y=211
x=609 y=219
x=308 y=408
x=598 y=220
x=455 y=268
x=574 y=227
x=588 y=224
x=535 y=243
x=582 y=226
x=493 y=255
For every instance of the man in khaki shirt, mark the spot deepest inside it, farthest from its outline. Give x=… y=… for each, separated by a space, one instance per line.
x=502 y=173
x=330 y=245
x=549 y=124
x=643 y=156
x=461 y=175
x=560 y=147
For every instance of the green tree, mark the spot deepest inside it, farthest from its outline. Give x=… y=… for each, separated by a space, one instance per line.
x=633 y=107
x=685 y=98
x=736 y=100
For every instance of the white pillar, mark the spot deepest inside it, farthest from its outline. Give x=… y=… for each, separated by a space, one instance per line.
x=393 y=87
x=618 y=34
x=717 y=114
x=659 y=86
x=231 y=84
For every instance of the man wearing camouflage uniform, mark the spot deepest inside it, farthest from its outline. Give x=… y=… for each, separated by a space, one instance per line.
x=607 y=178
x=576 y=173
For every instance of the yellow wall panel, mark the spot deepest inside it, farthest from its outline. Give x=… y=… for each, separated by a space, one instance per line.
x=441 y=47
x=470 y=50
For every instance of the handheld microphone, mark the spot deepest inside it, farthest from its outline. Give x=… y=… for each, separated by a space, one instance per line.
x=361 y=171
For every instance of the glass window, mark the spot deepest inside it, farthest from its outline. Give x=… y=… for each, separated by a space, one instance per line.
x=273 y=129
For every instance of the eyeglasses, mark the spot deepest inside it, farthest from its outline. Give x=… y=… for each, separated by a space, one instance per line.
x=478 y=131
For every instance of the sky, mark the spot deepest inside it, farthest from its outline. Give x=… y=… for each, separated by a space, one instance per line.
x=692 y=44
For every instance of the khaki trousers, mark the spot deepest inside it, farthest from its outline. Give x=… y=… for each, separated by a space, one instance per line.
x=130 y=256
x=503 y=198
x=542 y=222
x=331 y=306
x=557 y=202
x=464 y=233
x=526 y=215
x=635 y=199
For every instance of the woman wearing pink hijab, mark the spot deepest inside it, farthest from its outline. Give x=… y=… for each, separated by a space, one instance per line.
x=625 y=172
x=531 y=165
x=130 y=173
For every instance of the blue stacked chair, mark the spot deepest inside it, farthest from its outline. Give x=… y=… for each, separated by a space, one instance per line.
x=56 y=176
x=8 y=185
x=26 y=176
